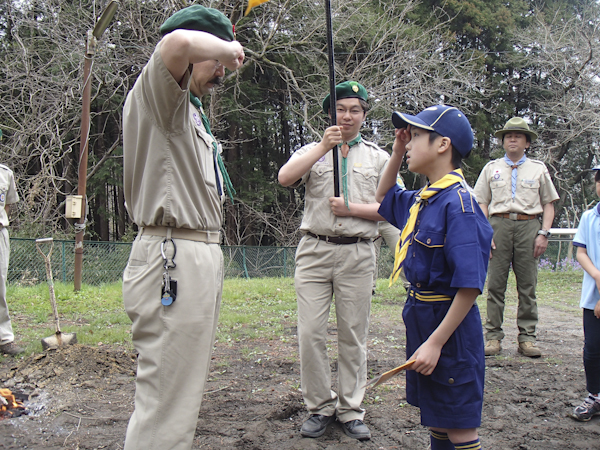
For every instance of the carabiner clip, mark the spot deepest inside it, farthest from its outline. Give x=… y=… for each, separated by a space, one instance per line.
x=169 y=264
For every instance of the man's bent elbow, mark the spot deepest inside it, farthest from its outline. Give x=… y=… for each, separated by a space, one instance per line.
x=283 y=178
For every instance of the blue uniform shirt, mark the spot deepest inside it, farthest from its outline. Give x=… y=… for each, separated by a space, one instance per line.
x=452 y=239
x=588 y=237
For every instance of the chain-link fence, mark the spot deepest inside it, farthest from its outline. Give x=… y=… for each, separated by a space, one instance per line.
x=104 y=262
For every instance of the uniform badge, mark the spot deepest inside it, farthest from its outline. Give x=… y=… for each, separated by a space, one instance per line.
x=321 y=159
x=197 y=119
x=496 y=175
x=355 y=88
x=2 y=197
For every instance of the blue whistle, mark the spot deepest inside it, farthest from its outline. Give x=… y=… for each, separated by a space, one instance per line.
x=167 y=300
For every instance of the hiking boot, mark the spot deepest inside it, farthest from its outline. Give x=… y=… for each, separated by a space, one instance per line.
x=11 y=349
x=492 y=347
x=529 y=349
x=588 y=409
x=356 y=429
x=315 y=425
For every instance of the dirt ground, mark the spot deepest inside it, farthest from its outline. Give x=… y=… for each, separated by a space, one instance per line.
x=81 y=397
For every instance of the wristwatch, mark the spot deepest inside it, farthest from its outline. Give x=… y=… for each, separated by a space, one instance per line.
x=545 y=233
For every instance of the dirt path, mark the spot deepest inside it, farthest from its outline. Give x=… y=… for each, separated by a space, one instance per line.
x=80 y=397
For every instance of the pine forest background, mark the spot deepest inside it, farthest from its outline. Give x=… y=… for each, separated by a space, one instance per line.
x=492 y=59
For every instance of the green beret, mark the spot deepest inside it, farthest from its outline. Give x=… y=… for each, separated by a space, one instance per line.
x=197 y=17
x=347 y=89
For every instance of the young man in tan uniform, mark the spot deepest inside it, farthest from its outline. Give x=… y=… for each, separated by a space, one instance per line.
x=336 y=257
x=8 y=196
x=514 y=191
x=174 y=192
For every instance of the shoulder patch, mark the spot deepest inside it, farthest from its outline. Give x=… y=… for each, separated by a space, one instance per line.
x=466 y=199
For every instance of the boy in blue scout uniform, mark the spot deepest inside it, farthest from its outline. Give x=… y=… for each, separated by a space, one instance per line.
x=443 y=251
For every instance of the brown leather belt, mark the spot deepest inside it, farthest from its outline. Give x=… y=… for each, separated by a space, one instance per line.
x=209 y=237
x=515 y=216
x=340 y=240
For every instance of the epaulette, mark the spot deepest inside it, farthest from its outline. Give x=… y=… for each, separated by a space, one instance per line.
x=466 y=199
x=2 y=166
x=537 y=161
x=374 y=146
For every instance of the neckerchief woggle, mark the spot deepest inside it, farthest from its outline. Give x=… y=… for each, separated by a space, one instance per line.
x=216 y=155
x=406 y=237
x=513 y=174
x=345 y=151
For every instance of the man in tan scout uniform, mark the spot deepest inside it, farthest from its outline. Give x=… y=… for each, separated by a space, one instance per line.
x=8 y=196
x=336 y=257
x=514 y=191
x=173 y=190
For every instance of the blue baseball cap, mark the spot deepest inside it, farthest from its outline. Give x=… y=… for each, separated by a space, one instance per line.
x=445 y=120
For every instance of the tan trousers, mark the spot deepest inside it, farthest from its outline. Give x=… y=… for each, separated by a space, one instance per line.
x=6 y=331
x=514 y=241
x=345 y=271
x=174 y=342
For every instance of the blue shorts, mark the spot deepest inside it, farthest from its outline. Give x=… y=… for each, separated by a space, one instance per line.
x=452 y=396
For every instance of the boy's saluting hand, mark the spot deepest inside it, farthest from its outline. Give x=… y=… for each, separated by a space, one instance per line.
x=402 y=138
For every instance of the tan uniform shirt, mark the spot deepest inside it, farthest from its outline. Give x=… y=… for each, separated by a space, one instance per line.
x=366 y=162
x=534 y=188
x=8 y=192
x=169 y=169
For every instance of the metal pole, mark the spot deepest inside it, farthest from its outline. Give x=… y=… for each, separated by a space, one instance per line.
x=90 y=50
x=332 y=99
x=83 y=159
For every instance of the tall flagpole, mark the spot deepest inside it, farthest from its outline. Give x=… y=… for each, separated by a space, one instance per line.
x=332 y=107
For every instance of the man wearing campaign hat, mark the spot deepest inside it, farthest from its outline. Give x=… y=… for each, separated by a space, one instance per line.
x=173 y=181
x=443 y=251
x=336 y=257
x=517 y=195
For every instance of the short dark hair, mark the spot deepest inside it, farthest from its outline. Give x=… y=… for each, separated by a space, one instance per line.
x=526 y=137
x=456 y=156
x=597 y=176
x=364 y=104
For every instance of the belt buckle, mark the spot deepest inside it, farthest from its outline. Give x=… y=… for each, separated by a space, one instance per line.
x=327 y=239
x=513 y=216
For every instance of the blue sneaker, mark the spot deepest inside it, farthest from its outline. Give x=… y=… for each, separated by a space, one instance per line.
x=588 y=409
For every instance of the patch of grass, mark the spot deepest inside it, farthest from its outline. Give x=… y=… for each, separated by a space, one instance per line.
x=260 y=308
x=95 y=313
x=560 y=290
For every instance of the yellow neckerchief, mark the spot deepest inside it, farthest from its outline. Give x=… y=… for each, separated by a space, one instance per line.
x=406 y=237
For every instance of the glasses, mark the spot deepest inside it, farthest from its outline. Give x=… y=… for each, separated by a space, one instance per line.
x=353 y=111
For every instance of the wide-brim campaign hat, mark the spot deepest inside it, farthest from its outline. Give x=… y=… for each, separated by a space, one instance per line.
x=347 y=89
x=447 y=121
x=200 y=18
x=516 y=124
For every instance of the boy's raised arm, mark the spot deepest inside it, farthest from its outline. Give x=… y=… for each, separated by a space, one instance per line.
x=390 y=174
